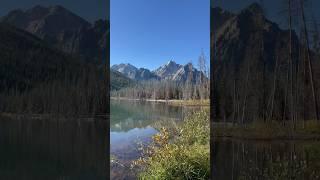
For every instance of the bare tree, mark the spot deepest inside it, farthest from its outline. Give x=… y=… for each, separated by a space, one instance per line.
x=310 y=67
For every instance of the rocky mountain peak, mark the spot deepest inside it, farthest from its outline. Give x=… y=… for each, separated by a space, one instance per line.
x=169 y=71
x=253 y=13
x=171 y=62
x=244 y=24
x=130 y=66
x=250 y=37
x=64 y=30
x=126 y=69
x=45 y=21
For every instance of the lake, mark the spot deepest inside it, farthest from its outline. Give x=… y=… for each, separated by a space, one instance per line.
x=238 y=159
x=53 y=149
x=133 y=123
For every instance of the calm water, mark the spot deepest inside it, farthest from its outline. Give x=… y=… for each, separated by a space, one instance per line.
x=133 y=122
x=235 y=159
x=53 y=149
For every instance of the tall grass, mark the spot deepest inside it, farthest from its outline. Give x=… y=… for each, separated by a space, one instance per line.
x=185 y=156
x=270 y=130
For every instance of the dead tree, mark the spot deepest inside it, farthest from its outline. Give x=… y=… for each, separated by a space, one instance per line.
x=274 y=88
x=310 y=67
x=246 y=95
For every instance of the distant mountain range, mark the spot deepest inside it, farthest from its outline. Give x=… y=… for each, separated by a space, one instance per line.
x=170 y=71
x=64 y=30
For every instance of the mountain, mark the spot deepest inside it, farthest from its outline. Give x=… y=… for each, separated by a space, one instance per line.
x=36 y=78
x=134 y=73
x=27 y=58
x=247 y=34
x=249 y=37
x=185 y=72
x=250 y=56
x=126 y=69
x=64 y=30
x=170 y=71
x=145 y=74
x=118 y=80
x=46 y=22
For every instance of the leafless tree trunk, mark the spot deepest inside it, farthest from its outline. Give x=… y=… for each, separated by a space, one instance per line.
x=234 y=102
x=306 y=38
x=291 y=61
x=246 y=94
x=274 y=88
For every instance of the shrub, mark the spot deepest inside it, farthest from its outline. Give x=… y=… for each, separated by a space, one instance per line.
x=183 y=157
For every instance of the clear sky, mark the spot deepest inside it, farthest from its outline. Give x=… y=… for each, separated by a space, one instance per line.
x=148 y=33
x=90 y=10
x=273 y=8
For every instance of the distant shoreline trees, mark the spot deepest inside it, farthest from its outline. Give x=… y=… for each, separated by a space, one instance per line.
x=165 y=89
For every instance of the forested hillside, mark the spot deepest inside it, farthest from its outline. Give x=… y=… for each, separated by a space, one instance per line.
x=37 y=78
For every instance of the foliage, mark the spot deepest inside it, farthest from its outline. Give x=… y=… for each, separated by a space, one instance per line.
x=183 y=157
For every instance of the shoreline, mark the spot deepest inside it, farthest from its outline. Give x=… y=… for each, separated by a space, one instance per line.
x=268 y=139
x=35 y=116
x=205 y=102
x=266 y=132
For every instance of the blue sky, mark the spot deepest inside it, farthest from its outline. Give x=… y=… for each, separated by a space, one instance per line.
x=90 y=10
x=148 y=33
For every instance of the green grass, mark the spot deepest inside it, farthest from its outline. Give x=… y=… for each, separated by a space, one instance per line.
x=271 y=130
x=183 y=157
x=194 y=102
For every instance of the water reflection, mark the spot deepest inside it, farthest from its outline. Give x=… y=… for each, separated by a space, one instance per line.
x=126 y=115
x=53 y=149
x=234 y=159
x=132 y=123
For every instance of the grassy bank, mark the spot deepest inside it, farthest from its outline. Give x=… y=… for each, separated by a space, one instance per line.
x=184 y=156
x=176 y=102
x=196 y=102
x=269 y=131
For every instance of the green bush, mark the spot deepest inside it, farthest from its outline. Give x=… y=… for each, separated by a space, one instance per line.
x=184 y=157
